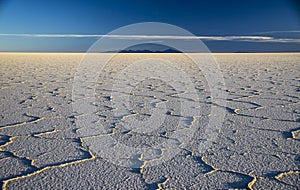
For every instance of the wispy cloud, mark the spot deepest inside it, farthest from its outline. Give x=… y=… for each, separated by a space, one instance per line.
x=252 y=38
x=53 y=35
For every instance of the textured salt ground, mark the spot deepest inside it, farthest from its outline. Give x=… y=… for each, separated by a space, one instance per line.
x=257 y=147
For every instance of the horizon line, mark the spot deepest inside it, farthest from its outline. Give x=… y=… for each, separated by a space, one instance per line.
x=44 y=52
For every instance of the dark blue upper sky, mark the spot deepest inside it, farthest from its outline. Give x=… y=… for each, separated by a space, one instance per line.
x=209 y=18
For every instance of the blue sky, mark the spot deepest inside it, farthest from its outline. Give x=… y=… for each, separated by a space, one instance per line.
x=277 y=19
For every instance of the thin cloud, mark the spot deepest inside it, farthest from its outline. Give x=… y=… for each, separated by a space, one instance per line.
x=53 y=35
x=252 y=38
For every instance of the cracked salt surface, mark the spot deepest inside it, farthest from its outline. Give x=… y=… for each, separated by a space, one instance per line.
x=258 y=146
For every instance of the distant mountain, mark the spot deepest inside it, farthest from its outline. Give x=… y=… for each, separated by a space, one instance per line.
x=242 y=52
x=150 y=51
x=147 y=48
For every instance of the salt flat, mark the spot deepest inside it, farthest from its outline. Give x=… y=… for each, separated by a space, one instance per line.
x=257 y=146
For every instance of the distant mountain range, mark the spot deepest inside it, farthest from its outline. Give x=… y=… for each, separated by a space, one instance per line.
x=150 y=51
x=147 y=48
x=170 y=50
x=154 y=48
